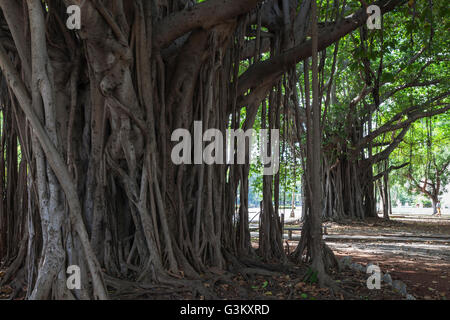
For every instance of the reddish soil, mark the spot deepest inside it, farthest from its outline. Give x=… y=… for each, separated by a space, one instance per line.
x=427 y=275
x=425 y=279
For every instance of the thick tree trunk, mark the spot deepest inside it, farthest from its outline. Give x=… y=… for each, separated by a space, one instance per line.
x=434 y=202
x=387 y=206
x=311 y=240
x=349 y=190
x=94 y=113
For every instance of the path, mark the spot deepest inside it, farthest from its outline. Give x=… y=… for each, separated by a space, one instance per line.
x=416 y=251
x=412 y=248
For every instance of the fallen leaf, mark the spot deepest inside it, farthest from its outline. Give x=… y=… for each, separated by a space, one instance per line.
x=6 y=289
x=299 y=285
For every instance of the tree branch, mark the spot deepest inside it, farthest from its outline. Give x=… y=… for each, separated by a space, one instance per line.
x=378 y=176
x=203 y=15
x=265 y=71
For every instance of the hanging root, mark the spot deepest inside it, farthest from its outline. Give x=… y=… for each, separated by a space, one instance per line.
x=329 y=258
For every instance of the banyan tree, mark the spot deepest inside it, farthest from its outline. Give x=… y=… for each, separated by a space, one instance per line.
x=87 y=120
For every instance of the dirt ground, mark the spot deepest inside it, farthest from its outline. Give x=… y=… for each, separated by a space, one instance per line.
x=425 y=279
x=398 y=225
x=424 y=266
x=415 y=251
